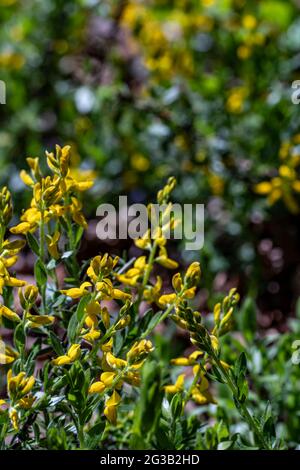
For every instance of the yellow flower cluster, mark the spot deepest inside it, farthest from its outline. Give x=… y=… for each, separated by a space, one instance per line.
x=155 y=243
x=199 y=389
x=8 y=249
x=18 y=389
x=164 y=38
x=286 y=184
x=53 y=196
x=252 y=36
x=98 y=307
x=207 y=342
x=236 y=100
x=184 y=288
x=118 y=371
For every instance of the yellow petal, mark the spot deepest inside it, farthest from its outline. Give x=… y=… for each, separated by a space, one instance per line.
x=115 y=362
x=61 y=361
x=22 y=228
x=29 y=384
x=263 y=188
x=26 y=178
x=107 y=378
x=167 y=299
x=97 y=387
x=9 y=314
x=74 y=352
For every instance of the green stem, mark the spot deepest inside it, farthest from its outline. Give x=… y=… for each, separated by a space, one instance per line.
x=243 y=407
x=81 y=437
x=42 y=257
x=147 y=272
x=190 y=390
x=160 y=319
x=164 y=315
x=3 y=434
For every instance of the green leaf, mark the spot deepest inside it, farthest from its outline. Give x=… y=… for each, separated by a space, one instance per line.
x=80 y=312
x=176 y=406
x=19 y=337
x=33 y=243
x=269 y=427
x=72 y=327
x=240 y=367
x=247 y=318
x=40 y=273
x=77 y=318
x=154 y=321
x=56 y=344
x=97 y=430
x=78 y=236
x=148 y=408
x=276 y=12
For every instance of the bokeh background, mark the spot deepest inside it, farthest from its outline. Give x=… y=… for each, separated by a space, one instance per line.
x=147 y=89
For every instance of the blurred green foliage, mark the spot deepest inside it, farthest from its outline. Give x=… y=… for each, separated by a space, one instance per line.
x=197 y=89
x=145 y=89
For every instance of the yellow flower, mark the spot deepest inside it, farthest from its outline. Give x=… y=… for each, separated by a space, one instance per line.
x=8 y=355
x=26 y=402
x=187 y=361
x=20 y=385
x=193 y=274
x=101 y=266
x=97 y=387
x=140 y=163
x=6 y=208
x=115 y=362
x=201 y=394
x=72 y=355
x=13 y=415
x=139 y=351
x=144 y=243
x=91 y=335
x=77 y=292
x=75 y=209
x=111 y=406
x=249 y=21
x=152 y=293
x=132 y=276
x=167 y=299
x=177 y=387
x=236 y=99
x=244 y=52
x=26 y=178
x=164 y=260
x=59 y=163
x=22 y=228
x=36 y=321
x=2 y=403
x=9 y=314
x=80 y=180
x=28 y=296
x=52 y=243
x=123 y=322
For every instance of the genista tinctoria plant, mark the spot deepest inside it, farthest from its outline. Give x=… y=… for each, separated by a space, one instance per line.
x=79 y=364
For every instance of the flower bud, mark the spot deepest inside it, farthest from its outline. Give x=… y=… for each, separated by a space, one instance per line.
x=28 y=296
x=193 y=274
